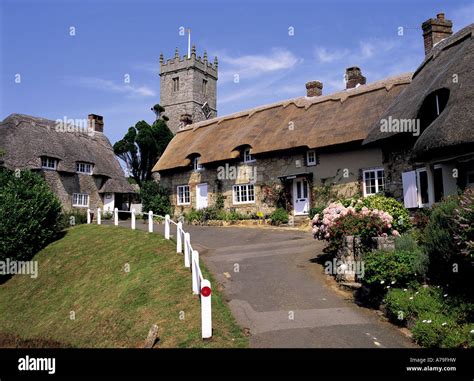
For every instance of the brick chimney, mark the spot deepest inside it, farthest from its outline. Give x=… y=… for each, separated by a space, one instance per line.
x=96 y=122
x=354 y=77
x=314 y=89
x=435 y=30
x=185 y=119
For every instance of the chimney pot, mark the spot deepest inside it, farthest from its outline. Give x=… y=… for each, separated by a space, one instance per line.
x=96 y=122
x=354 y=77
x=435 y=30
x=314 y=89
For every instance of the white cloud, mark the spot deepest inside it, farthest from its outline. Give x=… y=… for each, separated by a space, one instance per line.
x=111 y=86
x=325 y=55
x=252 y=66
x=362 y=51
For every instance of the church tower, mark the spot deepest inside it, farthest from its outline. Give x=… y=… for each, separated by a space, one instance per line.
x=188 y=89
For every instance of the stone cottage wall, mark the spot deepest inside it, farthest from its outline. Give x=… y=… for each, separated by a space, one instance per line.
x=331 y=166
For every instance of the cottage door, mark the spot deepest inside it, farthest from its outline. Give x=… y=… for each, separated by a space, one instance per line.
x=300 y=196
x=201 y=196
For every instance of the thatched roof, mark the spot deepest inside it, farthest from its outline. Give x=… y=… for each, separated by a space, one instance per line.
x=25 y=139
x=310 y=122
x=453 y=130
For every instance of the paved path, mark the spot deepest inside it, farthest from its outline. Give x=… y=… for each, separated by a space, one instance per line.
x=275 y=290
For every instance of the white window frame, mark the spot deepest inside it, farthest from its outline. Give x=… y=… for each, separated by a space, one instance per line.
x=309 y=162
x=248 y=158
x=239 y=190
x=48 y=161
x=78 y=200
x=84 y=168
x=378 y=187
x=197 y=167
x=183 y=200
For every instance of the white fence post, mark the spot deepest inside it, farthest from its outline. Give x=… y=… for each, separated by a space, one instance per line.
x=133 y=219
x=194 y=272
x=116 y=216
x=179 y=243
x=150 y=222
x=187 y=240
x=167 y=226
x=98 y=216
x=88 y=216
x=206 y=309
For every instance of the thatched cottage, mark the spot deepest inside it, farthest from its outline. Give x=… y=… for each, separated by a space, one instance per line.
x=296 y=144
x=423 y=167
x=78 y=162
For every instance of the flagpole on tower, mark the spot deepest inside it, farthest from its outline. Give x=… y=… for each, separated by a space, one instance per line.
x=189 y=43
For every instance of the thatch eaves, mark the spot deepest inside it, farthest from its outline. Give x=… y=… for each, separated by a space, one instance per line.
x=25 y=139
x=311 y=122
x=450 y=65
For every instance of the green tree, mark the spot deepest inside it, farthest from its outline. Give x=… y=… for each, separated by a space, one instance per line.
x=143 y=145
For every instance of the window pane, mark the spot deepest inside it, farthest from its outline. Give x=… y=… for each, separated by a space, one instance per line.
x=423 y=187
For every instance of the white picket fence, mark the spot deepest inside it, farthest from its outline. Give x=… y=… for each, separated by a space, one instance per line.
x=200 y=286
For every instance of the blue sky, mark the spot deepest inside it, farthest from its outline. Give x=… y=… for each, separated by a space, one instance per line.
x=72 y=76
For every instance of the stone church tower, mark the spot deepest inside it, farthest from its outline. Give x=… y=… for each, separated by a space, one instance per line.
x=188 y=89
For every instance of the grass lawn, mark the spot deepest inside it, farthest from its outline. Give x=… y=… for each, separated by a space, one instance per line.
x=85 y=272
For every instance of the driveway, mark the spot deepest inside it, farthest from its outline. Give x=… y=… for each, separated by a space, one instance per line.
x=285 y=300
x=276 y=291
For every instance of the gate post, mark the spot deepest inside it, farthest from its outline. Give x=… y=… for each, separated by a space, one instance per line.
x=98 y=216
x=133 y=219
x=116 y=216
x=150 y=222
x=179 y=231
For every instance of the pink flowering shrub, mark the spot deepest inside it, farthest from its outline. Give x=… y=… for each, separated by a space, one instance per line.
x=322 y=223
x=337 y=221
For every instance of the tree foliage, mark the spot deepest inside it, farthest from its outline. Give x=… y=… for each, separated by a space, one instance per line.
x=142 y=146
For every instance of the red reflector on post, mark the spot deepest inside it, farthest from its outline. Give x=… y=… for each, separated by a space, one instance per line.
x=205 y=291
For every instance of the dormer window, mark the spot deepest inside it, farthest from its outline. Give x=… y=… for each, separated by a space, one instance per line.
x=311 y=158
x=197 y=167
x=85 y=168
x=248 y=158
x=432 y=107
x=49 y=163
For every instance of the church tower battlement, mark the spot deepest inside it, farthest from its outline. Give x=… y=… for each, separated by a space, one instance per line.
x=188 y=88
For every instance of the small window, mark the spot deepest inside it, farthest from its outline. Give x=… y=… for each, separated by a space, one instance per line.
x=470 y=178
x=248 y=158
x=422 y=186
x=176 y=84
x=196 y=165
x=85 y=168
x=80 y=200
x=183 y=195
x=243 y=194
x=374 y=181
x=49 y=163
x=311 y=158
x=432 y=107
x=204 y=86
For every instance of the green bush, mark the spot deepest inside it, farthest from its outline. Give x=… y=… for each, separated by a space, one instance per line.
x=388 y=268
x=408 y=242
x=279 y=216
x=316 y=210
x=73 y=217
x=448 y=262
x=401 y=218
x=194 y=216
x=441 y=320
x=30 y=215
x=155 y=198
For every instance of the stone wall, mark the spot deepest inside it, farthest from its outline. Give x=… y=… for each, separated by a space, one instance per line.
x=65 y=184
x=268 y=169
